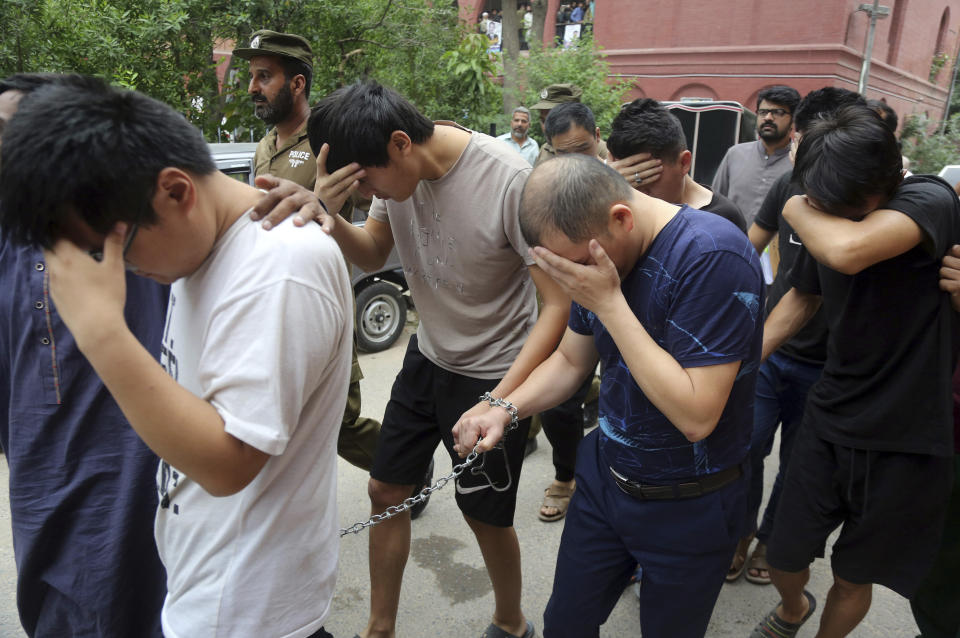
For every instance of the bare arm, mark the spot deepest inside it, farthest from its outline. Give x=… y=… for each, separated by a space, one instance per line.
x=792 y=312
x=760 y=237
x=545 y=335
x=367 y=246
x=849 y=246
x=178 y=426
x=550 y=383
x=691 y=398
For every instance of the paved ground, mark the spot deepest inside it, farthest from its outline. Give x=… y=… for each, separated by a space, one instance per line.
x=446 y=590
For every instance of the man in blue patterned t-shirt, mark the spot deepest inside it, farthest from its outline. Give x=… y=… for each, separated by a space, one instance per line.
x=669 y=299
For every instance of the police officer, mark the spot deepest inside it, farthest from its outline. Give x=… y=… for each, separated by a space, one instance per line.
x=281 y=70
x=550 y=97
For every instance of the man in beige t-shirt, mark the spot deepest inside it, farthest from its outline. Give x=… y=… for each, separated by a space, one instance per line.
x=474 y=284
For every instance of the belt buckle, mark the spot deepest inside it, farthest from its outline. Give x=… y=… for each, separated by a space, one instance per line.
x=625 y=485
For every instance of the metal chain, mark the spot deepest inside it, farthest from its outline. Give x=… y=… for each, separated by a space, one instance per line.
x=396 y=510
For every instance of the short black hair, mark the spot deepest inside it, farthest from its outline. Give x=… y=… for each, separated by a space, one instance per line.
x=563 y=116
x=646 y=126
x=27 y=82
x=846 y=157
x=83 y=147
x=357 y=121
x=785 y=96
x=292 y=68
x=823 y=102
x=886 y=113
x=572 y=194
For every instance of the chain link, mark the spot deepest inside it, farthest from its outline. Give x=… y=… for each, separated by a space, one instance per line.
x=408 y=503
x=396 y=510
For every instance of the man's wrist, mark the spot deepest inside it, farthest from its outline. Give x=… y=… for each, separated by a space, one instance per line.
x=102 y=342
x=612 y=307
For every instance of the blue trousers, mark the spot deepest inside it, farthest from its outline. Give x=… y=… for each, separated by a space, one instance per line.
x=683 y=547
x=782 y=386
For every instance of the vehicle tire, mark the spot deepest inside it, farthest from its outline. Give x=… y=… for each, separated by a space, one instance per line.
x=381 y=315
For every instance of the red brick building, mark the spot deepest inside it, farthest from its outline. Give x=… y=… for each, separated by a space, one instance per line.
x=730 y=49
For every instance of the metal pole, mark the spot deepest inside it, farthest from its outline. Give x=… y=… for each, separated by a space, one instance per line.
x=865 y=69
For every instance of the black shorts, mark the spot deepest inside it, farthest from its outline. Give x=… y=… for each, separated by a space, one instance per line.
x=425 y=403
x=891 y=506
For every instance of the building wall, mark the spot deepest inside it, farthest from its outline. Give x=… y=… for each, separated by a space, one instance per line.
x=697 y=48
x=730 y=49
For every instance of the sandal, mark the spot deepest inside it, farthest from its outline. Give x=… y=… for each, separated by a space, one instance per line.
x=757 y=564
x=739 y=558
x=492 y=631
x=557 y=497
x=773 y=626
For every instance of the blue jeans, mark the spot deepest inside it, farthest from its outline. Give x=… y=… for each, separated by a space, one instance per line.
x=782 y=386
x=683 y=547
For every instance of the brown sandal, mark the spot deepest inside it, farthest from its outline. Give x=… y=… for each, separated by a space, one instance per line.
x=758 y=562
x=557 y=497
x=739 y=559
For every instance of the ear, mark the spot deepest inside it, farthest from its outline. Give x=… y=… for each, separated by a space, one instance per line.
x=400 y=143
x=686 y=160
x=596 y=134
x=176 y=193
x=298 y=84
x=621 y=219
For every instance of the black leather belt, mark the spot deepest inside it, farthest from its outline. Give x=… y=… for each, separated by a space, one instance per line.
x=689 y=489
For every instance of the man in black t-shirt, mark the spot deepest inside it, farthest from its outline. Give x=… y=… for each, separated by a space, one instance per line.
x=874 y=453
x=787 y=374
x=645 y=127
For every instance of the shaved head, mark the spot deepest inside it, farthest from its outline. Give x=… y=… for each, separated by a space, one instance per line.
x=573 y=195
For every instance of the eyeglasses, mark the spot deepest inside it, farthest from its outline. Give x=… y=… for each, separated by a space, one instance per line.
x=762 y=113
x=98 y=254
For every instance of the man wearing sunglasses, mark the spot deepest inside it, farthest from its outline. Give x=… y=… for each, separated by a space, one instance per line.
x=748 y=170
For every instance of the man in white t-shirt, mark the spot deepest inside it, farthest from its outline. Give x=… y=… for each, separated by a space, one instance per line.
x=246 y=413
x=448 y=199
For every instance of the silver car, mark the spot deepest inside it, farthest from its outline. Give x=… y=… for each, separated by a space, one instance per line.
x=381 y=299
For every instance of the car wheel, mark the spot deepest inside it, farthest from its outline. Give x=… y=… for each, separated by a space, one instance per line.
x=381 y=315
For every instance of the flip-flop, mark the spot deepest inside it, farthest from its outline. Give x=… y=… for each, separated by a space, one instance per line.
x=495 y=632
x=758 y=561
x=772 y=626
x=739 y=555
x=557 y=497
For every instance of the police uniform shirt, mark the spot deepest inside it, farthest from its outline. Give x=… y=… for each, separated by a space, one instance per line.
x=294 y=160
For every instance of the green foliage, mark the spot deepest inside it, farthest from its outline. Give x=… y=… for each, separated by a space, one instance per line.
x=164 y=48
x=584 y=65
x=939 y=60
x=928 y=150
x=471 y=69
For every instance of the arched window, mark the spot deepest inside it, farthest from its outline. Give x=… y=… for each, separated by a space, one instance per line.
x=896 y=29
x=942 y=33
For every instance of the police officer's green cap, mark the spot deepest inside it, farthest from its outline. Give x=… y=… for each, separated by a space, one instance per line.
x=557 y=94
x=288 y=45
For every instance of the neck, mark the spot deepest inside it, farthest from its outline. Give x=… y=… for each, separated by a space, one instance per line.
x=441 y=151
x=293 y=123
x=656 y=214
x=231 y=199
x=695 y=195
x=775 y=146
